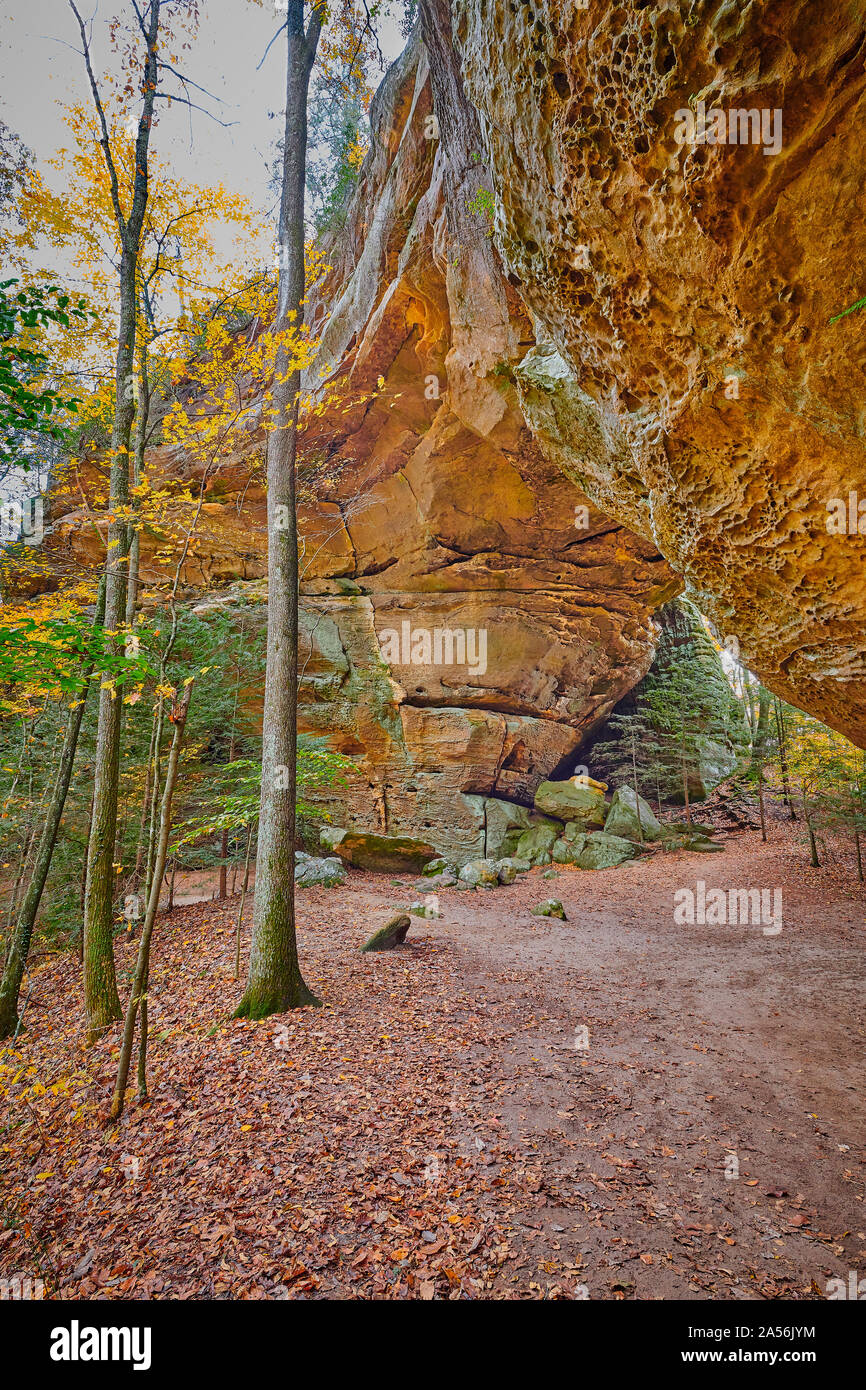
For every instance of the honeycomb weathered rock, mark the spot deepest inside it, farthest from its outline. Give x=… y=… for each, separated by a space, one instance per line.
x=689 y=375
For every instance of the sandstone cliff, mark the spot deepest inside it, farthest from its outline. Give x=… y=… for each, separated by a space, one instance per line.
x=688 y=373
x=443 y=513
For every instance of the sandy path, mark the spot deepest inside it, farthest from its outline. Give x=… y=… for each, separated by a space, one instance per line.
x=705 y=1042
x=435 y=1132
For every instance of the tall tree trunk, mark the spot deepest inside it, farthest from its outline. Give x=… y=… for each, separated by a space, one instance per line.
x=140 y=443
x=813 y=847
x=16 y=959
x=749 y=703
x=760 y=774
x=83 y=884
x=275 y=983
x=155 y=788
x=142 y=412
x=759 y=752
x=143 y=1036
x=101 y=1000
x=224 y=853
x=685 y=773
x=224 y=837
x=145 y=807
x=102 y=1003
x=142 y=964
x=133 y=566
x=246 y=884
x=759 y=736
x=636 y=792
x=783 y=757
x=23 y=857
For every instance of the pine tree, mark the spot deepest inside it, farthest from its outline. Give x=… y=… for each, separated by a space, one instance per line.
x=686 y=711
x=625 y=755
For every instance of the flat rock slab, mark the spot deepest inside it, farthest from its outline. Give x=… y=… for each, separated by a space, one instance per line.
x=381 y=853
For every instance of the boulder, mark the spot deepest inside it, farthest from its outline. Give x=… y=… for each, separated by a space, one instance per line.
x=682 y=827
x=504 y=824
x=437 y=866
x=509 y=869
x=518 y=866
x=574 y=831
x=392 y=934
x=443 y=880
x=603 y=851
x=384 y=853
x=324 y=873
x=622 y=818
x=549 y=908
x=480 y=873
x=536 y=843
x=573 y=800
x=678 y=834
x=568 y=851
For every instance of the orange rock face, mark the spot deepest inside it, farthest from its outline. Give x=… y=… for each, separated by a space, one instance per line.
x=677 y=191
x=471 y=614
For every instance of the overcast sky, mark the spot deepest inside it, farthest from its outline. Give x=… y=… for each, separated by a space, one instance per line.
x=40 y=72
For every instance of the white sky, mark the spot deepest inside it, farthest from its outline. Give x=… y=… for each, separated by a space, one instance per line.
x=40 y=72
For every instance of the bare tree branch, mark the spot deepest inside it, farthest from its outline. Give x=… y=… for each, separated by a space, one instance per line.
x=271 y=44
x=97 y=101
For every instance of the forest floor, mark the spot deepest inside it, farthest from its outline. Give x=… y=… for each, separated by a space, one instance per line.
x=438 y=1129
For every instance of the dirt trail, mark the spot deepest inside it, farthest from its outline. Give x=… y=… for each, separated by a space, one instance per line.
x=713 y=1127
x=438 y=1129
